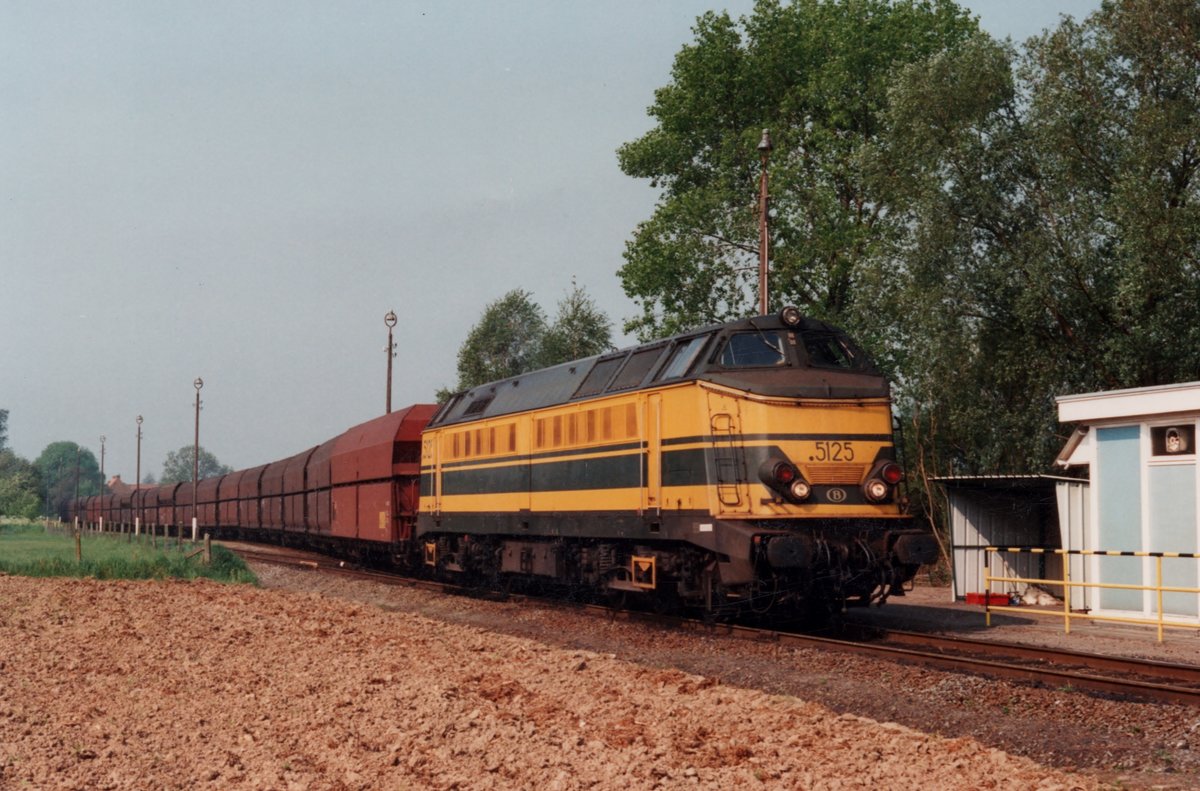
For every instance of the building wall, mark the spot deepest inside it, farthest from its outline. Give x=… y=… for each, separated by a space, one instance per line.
x=1145 y=501
x=1074 y=509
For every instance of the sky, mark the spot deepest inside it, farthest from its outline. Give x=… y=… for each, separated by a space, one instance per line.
x=240 y=191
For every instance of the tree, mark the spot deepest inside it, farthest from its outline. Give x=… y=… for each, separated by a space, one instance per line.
x=580 y=329
x=66 y=468
x=505 y=342
x=816 y=73
x=20 y=487
x=178 y=465
x=512 y=337
x=3 y=429
x=1049 y=230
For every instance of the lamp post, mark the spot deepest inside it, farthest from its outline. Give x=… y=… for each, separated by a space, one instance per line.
x=137 y=482
x=764 y=152
x=103 y=480
x=196 y=455
x=390 y=321
x=78 y=450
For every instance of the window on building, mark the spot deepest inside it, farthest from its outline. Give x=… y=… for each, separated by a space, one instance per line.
x=1173 y=440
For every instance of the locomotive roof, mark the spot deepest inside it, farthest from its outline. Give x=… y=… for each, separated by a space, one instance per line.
x=661 y=362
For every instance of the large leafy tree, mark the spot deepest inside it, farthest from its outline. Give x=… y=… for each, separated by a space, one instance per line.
x=504 y=342
x=512 y=337
x=3 y=429
x=20 y=487
x=1051 y=229
x=61 y=466
x=816 y=73
x=580 y=329
x=178 y=465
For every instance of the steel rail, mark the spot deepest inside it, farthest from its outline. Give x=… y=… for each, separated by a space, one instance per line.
x=1174 y=671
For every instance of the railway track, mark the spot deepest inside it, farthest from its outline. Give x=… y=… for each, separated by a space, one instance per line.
x=1068 y=670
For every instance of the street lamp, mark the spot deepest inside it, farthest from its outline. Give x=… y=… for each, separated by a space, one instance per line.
x=390 y=321
x=764 y=152
x=137 y=481
x=78 y=450
x=196 y=455
x=103 y=480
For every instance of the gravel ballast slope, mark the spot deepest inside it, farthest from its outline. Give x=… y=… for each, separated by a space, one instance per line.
x=113 y=685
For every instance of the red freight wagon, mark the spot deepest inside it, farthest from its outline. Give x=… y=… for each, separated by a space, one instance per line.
x=375 y=471
x=206 y=502
x=319 y=497
x=294 y=511
x=271 y=494
x=227 y=499
x=249 y=512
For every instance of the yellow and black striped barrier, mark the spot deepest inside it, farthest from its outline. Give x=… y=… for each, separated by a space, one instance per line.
x=1160 y=621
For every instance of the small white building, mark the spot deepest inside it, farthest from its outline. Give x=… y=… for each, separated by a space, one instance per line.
x=1140 y=448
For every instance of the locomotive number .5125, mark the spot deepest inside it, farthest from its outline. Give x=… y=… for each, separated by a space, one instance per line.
x=834 y=451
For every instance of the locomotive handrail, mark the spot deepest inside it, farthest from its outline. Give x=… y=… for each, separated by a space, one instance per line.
x=1160 y=621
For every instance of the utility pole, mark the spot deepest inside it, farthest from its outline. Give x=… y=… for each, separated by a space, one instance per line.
x=137 y=482
x=195 y=459
x=764 y=239
x=390 y=321
x=103 y=480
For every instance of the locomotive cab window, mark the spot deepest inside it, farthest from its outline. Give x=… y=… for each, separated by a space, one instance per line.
x=832 y=350
x=753 y=350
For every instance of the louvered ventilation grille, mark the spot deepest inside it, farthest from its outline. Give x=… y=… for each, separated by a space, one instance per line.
x=835 y=473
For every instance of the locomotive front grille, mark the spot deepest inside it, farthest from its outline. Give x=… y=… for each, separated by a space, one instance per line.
x=835 y=473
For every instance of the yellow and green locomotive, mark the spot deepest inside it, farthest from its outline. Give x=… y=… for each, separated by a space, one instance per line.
x=748 y=464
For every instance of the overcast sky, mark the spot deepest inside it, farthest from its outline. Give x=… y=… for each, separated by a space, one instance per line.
x=241 y=190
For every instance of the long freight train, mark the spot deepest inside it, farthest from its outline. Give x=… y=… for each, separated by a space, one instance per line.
x=746 y=465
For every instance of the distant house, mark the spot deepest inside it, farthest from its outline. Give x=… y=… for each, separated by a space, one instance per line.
x=119 y=487
x=1139 y=447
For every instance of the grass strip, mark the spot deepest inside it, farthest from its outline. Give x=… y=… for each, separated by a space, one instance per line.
x=28 y=550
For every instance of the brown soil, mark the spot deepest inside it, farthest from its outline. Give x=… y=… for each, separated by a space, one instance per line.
x=112 y=685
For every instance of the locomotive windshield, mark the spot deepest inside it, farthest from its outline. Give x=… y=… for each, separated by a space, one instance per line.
x=832 y=350
x=753 y=350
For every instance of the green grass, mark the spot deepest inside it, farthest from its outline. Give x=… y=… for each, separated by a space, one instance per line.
x=28 y=550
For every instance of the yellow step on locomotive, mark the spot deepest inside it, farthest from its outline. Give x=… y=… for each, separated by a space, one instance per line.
x=746 y=465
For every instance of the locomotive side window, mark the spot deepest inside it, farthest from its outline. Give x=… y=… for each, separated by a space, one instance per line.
x=635 y=370
x=753 y=349
x=831 y=350
x=681 y=359
x=598 y=377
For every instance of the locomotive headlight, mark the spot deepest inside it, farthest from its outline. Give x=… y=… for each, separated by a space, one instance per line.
x=783 y=477
x=777 y=473
x=876 y=490
x=891 y=473
x=791 y=316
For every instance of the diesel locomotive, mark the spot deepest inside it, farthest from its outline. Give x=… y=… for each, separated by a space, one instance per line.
x=742 y=466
